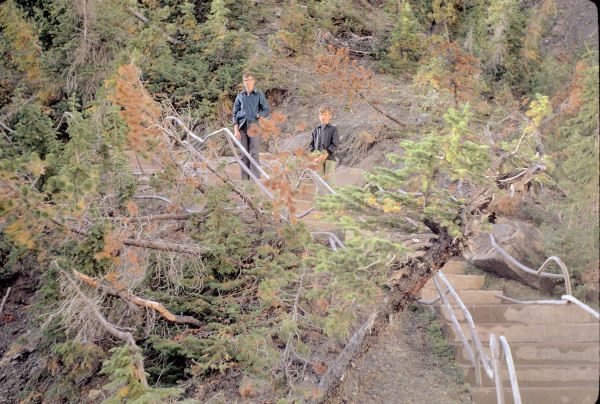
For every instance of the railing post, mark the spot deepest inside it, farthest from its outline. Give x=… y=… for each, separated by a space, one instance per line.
x=478 y=379
x=514 y=384
x=496 y=366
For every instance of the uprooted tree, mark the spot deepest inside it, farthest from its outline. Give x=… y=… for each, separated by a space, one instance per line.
x=198 y=281
x=193 y=278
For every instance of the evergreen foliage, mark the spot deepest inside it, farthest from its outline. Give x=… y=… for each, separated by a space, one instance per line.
x=297 y=30
x=260 y=294
x=575 y=236
x=124 y=384
x=405 y=43
x=404 y=196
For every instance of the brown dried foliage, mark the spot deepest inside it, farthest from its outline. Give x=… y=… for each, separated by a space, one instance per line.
x=344 y=78
x=461 y=76
x=569 y=100
x=138 y=109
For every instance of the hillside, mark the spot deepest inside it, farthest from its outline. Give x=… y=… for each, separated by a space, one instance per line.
x=137 y=267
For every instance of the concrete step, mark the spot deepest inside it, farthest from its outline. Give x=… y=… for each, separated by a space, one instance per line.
x=349 y=176
x=543 y=333
x=460 y=282
x=454 y=267
x=302 y=205
x=306 y=192
x=315 y=216
x=541 y=376
x=519 y=313
x=467 y=296
x=539 y=395
x=532 y=353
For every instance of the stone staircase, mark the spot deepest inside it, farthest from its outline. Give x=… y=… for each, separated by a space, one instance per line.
x=555 y=348
x=303 y=202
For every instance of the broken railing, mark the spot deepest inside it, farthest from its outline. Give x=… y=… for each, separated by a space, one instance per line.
x=235 y=145
x=474 y=350
x=565 y=299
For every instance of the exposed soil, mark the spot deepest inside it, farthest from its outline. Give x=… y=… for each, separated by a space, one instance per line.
x=402 y=368
x=576 y=24
x=18 y=340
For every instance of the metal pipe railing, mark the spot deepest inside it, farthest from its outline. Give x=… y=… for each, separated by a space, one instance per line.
x=228 y=134
x=567 y=298
x=474 y=336
x=317 y=179
x=495 y=351
x=512 y=374
x=475 y=349
x=561 y=264
x=457 y=327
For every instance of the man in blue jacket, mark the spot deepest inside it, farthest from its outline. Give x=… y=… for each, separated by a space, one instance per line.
x=250 y=105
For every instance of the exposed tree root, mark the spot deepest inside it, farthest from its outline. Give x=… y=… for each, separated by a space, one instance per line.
x=128 y=297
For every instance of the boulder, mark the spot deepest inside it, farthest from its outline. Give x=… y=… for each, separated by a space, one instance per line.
x=519 y=239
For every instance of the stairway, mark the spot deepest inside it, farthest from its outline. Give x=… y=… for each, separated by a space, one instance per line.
x=303 y=202
x=555 y=348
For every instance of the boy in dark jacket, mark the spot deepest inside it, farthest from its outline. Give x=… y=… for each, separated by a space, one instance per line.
x=325 y=138
x=250 y=105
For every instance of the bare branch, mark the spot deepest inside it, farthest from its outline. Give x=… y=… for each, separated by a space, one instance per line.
x=109 y=327
x=142 y=18
x=4 y=299
x=153 y=245
x=153 y=218
x=162 y=246
x=128 y=297
x=6 y=127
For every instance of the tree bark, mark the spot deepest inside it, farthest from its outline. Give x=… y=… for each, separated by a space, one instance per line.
x=402 y=292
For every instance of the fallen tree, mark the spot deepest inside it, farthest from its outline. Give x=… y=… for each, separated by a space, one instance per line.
x=403 y=202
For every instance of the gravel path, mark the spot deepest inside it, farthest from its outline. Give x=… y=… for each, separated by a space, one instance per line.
x=401 y=368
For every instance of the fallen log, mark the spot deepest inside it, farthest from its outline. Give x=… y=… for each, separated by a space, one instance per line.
x=402 y=291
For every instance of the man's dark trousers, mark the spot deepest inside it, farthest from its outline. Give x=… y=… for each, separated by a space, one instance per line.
x=251 y=144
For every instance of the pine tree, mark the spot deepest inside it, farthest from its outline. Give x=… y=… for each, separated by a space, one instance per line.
x=575 y=236
x=498 y=19
x=450 y=68
x=406 y=40
x=404 y=197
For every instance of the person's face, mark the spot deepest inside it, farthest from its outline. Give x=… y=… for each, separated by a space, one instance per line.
x=324 y=117
x=248 y=83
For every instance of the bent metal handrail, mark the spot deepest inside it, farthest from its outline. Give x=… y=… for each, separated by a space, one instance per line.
x=316 y=177
x=475 y=349
x=565 y=299
x=539 y=272
x=333 y=239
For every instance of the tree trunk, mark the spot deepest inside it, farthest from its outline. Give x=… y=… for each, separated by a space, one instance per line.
x=402 y=292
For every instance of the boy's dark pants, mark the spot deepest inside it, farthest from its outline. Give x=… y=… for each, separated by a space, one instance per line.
x=251 y=144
